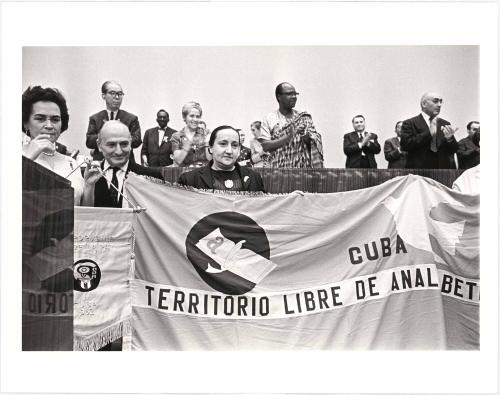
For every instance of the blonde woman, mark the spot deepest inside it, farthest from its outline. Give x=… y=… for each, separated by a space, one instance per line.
x=189 y=145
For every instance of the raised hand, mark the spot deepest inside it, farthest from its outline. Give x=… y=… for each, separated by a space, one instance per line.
x=41 y=143
x=366 y=139
x=300 y=130
x=449 y=131
x=92 y=172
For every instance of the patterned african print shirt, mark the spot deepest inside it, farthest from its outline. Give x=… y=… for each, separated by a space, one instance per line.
x=296 y=153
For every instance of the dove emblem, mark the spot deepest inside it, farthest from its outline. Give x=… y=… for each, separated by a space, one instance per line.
x=232 y=257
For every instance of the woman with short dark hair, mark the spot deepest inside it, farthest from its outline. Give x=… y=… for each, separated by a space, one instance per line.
x=44 y=117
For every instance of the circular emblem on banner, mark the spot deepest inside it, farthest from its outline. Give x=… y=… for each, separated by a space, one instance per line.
x=86 y=275
x=230 y=252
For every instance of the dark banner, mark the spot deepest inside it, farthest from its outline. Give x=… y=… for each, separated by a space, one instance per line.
x=47 y=275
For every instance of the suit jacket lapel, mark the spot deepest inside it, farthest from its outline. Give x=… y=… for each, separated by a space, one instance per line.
x=165 y=134
x=104 y=118
x=206 y=176
x=155 y=136
x=245 y=178
x=422 y=124
x=439 y=132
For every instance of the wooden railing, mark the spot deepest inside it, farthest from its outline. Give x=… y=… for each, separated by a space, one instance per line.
x=278 y=180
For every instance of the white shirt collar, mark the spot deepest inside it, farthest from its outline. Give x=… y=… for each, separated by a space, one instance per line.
x=107 y=166
x=427 y=117
x=109 y=113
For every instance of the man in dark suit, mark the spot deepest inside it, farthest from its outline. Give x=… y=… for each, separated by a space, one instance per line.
x=115 y=143
x=468 y=151
x=428 y=139
x=112 y=94
x=156 y=146
x=393 y=152
x=360 y=146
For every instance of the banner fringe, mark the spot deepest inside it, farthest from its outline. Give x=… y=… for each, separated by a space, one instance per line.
x=407 y=178
x=215 y=191
x=106 y=336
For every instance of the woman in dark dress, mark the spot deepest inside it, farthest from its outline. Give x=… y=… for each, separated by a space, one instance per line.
x=223 y=171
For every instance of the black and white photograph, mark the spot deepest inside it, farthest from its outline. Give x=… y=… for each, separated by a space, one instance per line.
x=294 y=185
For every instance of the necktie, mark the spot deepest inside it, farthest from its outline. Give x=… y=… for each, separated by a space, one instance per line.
x=112 y=115
x=432 y=127
x=114 y=181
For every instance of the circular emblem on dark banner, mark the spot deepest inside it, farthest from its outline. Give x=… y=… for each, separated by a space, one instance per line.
x=86 y=274
x=221 y=244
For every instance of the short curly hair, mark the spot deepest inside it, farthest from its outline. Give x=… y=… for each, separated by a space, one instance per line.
x=186 y=108
x=35 y=94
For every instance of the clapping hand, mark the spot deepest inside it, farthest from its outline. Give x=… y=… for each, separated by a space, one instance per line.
x=449 y=131
x=300 y=130
x=276 y=129
x=186 y=145
x=366 y=139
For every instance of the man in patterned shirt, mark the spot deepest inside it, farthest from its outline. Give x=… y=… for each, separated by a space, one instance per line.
x=290 y=135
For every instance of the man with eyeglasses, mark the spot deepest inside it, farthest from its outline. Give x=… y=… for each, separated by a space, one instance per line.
x=468 y=150
x=429 y=139
x=289 y=135
x=112 y=94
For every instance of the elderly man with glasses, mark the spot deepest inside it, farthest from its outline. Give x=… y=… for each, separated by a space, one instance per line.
x=289 y=135
x=112 y=94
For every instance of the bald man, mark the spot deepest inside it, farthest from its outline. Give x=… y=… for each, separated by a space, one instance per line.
x=428 y=139
x=114 y=142
x=290 y=136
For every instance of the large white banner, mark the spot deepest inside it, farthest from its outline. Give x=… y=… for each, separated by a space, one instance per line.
x=392 y=267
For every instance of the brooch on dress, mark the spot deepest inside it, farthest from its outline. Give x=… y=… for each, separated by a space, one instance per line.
x=229 y=184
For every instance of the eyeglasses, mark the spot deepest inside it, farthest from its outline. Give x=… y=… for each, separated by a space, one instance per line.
x=290 y=93
x=474 y=129
x=114 y=93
